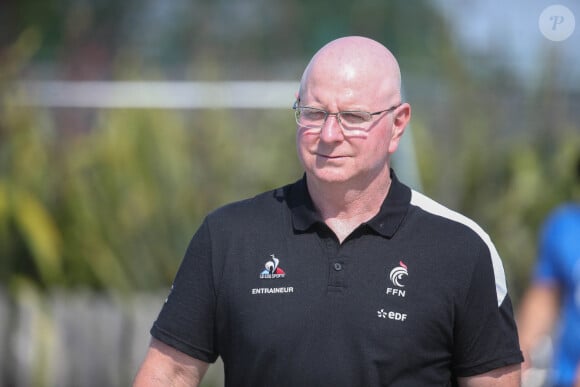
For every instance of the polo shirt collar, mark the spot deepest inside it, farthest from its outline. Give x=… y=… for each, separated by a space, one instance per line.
x=386 y=222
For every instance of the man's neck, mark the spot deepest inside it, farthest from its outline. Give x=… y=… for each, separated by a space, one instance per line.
x=344 y=207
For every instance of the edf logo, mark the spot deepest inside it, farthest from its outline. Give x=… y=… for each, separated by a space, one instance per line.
x=557 y=23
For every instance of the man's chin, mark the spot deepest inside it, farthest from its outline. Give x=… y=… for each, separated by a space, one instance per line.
x=330 y=176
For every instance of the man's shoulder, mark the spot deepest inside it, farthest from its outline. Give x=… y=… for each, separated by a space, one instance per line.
x=453 y=226
x=439 y=213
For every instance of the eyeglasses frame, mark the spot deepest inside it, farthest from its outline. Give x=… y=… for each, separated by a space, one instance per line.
x=295 y=107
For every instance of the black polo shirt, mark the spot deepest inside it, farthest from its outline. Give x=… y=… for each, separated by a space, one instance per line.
x=414 y=297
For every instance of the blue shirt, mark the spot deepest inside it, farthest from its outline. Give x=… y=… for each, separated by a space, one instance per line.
x=559 y=263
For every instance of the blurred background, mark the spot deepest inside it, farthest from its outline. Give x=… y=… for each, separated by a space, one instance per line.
x=123 y=123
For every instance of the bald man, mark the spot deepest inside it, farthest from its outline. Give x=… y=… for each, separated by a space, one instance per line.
x=346 y=277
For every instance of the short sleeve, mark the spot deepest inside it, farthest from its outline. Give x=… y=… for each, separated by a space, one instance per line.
x=186 y=321
x=546 y=269
x=485 y=333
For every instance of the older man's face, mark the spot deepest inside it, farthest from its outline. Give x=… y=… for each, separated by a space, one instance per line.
x=332 y=155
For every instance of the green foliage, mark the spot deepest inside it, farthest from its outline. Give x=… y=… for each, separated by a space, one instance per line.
x=508 y=188
x=115 y=205
x=109 y=198
x=532 y=184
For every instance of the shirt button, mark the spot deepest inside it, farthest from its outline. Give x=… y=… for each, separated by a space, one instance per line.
x=337 y=266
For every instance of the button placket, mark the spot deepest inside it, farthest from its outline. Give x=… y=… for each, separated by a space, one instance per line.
x=337 y=272
x=336 y=264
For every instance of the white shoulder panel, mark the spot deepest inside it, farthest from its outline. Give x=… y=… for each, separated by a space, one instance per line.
x=431 y=206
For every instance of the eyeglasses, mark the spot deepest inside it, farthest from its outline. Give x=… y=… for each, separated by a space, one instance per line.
x=350 y=120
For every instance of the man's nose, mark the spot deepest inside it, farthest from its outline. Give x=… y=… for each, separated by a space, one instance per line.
x=331 y=130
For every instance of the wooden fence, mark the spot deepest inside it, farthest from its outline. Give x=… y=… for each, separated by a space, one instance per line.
x=72 y=339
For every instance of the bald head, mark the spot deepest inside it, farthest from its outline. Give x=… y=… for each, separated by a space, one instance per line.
x=346 y=76
x=355 y=62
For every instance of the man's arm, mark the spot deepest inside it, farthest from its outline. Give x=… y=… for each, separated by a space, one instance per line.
x=509 y=376
x=537 y=316
x=166 y=366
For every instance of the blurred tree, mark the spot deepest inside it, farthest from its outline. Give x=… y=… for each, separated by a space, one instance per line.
x=109 y=198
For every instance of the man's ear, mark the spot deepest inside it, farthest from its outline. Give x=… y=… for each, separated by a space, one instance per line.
x=401 y=118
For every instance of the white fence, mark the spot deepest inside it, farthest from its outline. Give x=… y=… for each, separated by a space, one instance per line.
x=77 y=339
